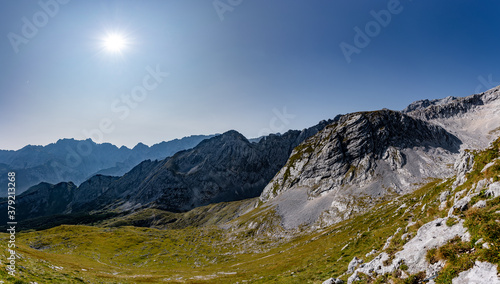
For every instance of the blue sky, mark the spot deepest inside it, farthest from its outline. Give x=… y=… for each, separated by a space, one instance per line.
x=255 y=66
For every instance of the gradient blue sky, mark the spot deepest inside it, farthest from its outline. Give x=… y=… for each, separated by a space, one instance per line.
x=233 y=73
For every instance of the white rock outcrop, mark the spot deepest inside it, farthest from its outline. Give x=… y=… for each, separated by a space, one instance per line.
x=333 y=281
x=481 y=273
x=493 y=190
x=463 y=165
x=353 y=264
x=431 y=235
x=480 y=204
x=481 y=185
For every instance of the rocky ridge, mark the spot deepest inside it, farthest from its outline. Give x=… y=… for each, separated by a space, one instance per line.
x=474 y=119
x=225 y=168
x=360 y=158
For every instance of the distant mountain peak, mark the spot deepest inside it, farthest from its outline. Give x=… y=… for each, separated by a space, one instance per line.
x=473 y=119
x=140 y=146
x=234 y=134
x=460 y=104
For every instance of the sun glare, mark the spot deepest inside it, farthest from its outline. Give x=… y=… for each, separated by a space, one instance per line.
x=115 y=43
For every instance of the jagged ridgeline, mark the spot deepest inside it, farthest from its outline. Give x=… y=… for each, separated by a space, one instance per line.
x=78 y=160
x=226 y=167
x=370 y=197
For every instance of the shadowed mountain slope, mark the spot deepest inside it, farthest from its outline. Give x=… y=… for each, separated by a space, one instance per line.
x=77 y=160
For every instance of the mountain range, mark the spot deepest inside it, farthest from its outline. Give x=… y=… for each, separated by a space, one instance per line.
x=316 y=177
x=77 y=160
x=226 y=167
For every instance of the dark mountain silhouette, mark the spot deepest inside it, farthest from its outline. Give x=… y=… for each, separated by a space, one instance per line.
x=77 y=160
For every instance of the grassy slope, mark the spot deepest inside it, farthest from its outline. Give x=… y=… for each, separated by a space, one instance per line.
x=114 y=253
x=204 y=253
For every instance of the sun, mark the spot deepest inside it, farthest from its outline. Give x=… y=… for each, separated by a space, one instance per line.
x=115 y=42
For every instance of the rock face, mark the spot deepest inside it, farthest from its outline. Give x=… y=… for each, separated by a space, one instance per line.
x=77 y=160
x=44 y=199
x=226 y=167
x=462 y=165
x=369 y=154
x=443 y=108
x=93 y=188
x=431 y=235
x=440 y=231
x=422 y=104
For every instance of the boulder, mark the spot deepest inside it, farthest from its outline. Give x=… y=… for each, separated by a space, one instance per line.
x=353 y=264
x=333 y=281
x=480 y=204
x=493 y=190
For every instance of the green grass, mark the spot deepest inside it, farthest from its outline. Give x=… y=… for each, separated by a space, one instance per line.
x=210 y=252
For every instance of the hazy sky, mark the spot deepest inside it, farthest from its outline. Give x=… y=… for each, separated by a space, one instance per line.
x=256 y=66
